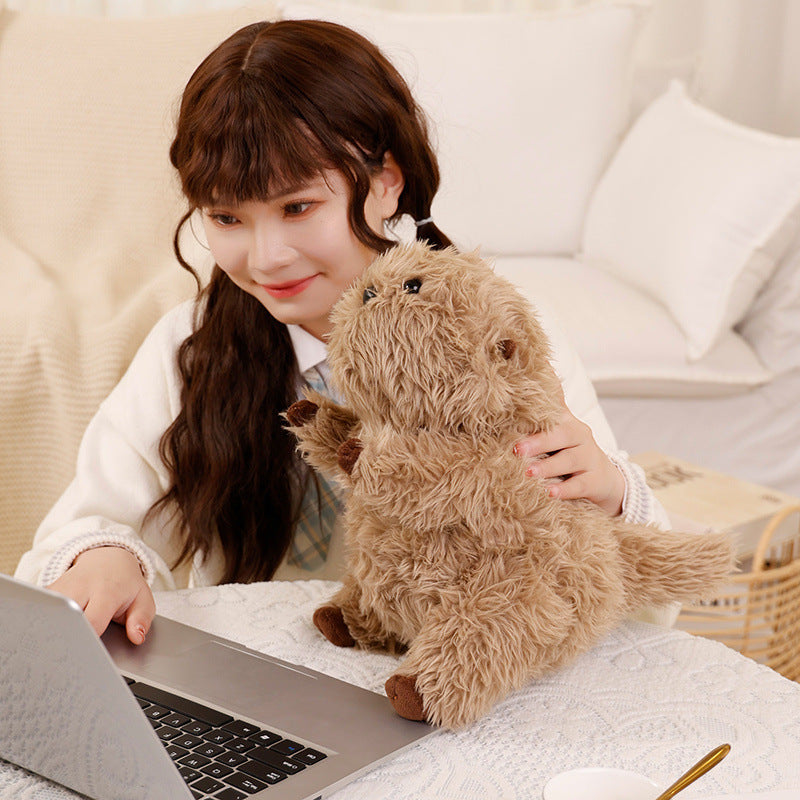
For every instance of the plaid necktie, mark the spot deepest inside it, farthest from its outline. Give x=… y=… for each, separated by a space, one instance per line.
x=320 y=507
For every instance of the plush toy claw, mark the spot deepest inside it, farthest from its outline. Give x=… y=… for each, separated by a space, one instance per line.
x=301 y=412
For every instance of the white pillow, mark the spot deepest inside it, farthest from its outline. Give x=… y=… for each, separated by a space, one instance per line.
x=695 y=210
x=772 y=323
x=628 y=343
x=528 y=108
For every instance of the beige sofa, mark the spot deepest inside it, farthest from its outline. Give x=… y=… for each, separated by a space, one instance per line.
x=530 y=113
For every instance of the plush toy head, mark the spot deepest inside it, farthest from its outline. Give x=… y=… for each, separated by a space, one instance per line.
x=436 y=340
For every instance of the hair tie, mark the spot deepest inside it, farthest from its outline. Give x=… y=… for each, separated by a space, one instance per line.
x=420 y=222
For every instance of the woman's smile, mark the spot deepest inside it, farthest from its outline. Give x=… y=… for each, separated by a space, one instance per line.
x=288 y=288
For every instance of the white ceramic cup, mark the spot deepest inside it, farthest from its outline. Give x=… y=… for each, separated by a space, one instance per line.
x=600 y=783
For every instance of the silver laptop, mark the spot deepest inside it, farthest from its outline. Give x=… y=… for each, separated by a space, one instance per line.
x=185 y=715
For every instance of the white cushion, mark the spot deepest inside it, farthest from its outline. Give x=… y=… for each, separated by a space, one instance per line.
x=629 y=344
x=772 y=323
x=695 y=210
x=528 y=109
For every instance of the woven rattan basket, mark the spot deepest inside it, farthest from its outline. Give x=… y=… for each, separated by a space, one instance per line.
x=758 y=611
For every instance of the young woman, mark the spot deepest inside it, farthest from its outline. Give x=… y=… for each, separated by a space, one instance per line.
x=299 y=145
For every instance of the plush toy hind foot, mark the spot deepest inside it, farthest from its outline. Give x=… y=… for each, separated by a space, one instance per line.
x=330 y=622
x=404 y=697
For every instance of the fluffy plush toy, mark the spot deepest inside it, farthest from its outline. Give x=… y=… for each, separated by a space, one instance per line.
x=454 y=553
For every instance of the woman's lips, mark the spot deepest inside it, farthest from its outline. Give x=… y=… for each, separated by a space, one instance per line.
x=288 y=289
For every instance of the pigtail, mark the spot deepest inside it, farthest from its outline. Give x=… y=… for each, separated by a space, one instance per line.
x=428 y=232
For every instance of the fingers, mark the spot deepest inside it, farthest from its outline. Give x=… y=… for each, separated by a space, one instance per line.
x=568 y=432
x=140 y=615
x=571 y=488
x=108 y=584
x=569 y=453
x=558 y=465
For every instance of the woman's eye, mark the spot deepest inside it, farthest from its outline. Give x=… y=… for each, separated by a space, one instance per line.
x=224 y=220
x=294 y=209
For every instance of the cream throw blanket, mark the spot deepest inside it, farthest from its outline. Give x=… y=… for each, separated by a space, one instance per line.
x=88 y=204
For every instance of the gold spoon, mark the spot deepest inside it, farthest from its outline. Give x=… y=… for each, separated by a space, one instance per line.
x=708 y=761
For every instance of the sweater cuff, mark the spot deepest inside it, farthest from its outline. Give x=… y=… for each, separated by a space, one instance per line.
x=638 y=503
x=64 y=557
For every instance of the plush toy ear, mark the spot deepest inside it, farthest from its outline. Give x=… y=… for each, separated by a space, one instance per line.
x=506 y=348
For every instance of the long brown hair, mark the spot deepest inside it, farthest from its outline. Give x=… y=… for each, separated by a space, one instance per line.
x=271 y=106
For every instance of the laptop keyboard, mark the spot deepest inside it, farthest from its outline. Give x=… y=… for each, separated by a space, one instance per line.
x=219 y=756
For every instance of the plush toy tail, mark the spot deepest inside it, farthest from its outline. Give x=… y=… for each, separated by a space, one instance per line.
x=662 y=566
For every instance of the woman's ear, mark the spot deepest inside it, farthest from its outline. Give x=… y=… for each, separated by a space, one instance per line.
x=387 y=185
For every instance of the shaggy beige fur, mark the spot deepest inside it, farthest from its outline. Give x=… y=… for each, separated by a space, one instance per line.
x=453 y=551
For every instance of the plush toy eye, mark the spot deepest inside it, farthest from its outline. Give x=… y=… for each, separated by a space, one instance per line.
x=369 y=293
x=412 y=286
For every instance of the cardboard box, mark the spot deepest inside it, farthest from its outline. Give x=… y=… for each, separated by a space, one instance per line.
x=699 y=499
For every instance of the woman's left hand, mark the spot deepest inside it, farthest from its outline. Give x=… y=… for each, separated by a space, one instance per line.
x=568 y=451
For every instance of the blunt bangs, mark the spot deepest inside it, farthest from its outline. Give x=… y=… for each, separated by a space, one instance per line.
x=246 y=148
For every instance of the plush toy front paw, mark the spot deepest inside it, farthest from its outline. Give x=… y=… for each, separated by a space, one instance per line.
x=301 y=412
x=407 y=701
x=330 y=621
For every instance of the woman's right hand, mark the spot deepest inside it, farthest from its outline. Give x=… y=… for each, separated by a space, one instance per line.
x=107 y=583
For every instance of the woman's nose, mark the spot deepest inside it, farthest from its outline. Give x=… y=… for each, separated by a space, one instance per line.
x=269 y=250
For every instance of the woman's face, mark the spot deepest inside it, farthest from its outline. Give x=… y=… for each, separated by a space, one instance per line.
x=295 y=252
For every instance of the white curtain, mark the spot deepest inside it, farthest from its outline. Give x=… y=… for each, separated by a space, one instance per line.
x=740 y=57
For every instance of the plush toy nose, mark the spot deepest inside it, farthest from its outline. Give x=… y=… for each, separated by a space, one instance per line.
x=369 y=293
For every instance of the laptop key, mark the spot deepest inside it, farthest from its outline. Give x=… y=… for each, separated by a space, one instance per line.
x=180 y=704
x=194 y=761
x=249 y=785
x=218 y=737
x=189 y=775
x=188 y=741
x=207 y=785
x=176 y=720
x=167 y=734
x=156 y=712
x=273 y=759
x=209 y=749
x=265 y=738
x=263 y=772
x=231 y=759
x=196 y=728
x=309 y=756
x=216 y=770
x=229 y=793
x=241 y=728
x=287 y=747
x=176 y=752
x=240 y=745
